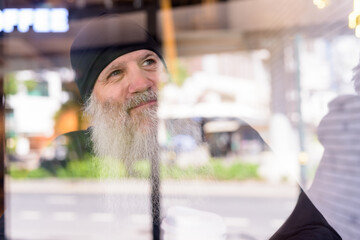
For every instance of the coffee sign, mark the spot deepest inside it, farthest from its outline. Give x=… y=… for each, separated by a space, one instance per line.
x=42 y=20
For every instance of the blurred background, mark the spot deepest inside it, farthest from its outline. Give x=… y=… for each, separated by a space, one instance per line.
x=254 y=76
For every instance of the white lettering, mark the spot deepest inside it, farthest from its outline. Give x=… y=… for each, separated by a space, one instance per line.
x=25 y=19
x=59 y=20
x=41 y=19
x=1 y=21
x=10 y=19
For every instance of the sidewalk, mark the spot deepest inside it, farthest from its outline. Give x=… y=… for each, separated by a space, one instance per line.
x=141 y=187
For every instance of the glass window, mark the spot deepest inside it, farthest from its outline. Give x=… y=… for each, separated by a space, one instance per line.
x=181 y=119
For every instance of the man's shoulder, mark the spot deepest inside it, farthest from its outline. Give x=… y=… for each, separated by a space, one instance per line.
x=76 y=135
x=69 y=146
x=78 y=140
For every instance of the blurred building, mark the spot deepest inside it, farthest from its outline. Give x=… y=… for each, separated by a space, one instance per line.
x=30 y=112
x=241 y=59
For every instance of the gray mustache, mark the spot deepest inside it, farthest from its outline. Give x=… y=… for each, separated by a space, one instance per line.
x=140 y=98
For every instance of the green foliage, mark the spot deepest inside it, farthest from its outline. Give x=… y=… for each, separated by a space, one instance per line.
x=142 y=169
x=82 y=169
x=109 y=169
x=10 y=85
x=30 y=85
x=78 y=169
x=191 y=172
x=23 y=173
x=94 y=168
x=18 y=173
x=39 y=173
x=181 y=74
x=11 y=145
x=235 y=171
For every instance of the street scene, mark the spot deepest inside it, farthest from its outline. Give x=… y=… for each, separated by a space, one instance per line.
x=144 y=119
x=250 y=211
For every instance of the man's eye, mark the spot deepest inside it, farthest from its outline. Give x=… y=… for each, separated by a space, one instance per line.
x=149 y=62
x=115 y=73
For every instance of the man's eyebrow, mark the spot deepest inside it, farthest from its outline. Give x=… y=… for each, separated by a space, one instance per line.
x=113 y=67
x=146 y=56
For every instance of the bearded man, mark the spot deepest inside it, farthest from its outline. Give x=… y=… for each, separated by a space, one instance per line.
x=118 y=66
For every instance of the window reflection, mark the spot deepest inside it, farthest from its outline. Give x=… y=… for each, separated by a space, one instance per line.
x=246 y=87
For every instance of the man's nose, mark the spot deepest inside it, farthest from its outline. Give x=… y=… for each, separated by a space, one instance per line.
x=139 y=82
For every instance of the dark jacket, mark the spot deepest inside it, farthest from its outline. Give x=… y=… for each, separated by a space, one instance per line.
x=306 y=223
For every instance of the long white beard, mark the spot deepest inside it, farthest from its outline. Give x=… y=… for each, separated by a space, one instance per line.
x=118 y=136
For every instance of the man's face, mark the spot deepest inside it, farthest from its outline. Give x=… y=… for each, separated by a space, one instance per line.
x=128 y=76
x=123 y=108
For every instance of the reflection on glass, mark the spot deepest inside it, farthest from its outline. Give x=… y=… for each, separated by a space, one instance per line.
x=220 y=124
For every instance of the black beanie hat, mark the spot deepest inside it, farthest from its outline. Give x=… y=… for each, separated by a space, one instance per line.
x=100 y=42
